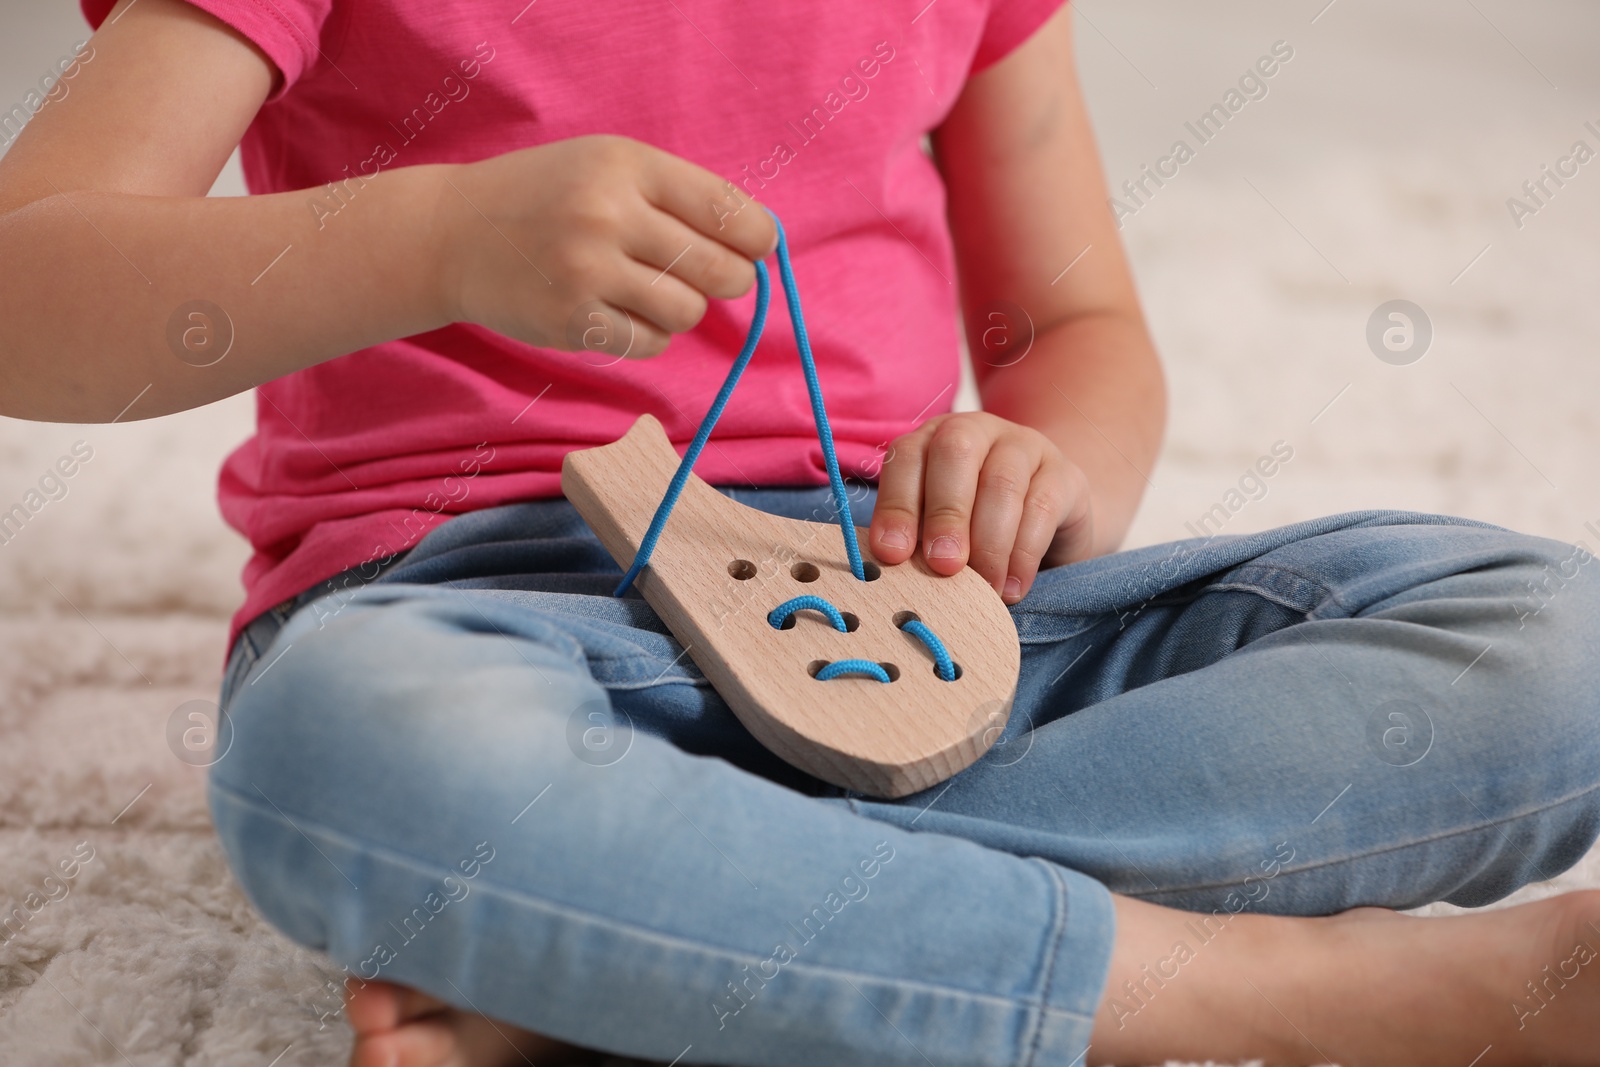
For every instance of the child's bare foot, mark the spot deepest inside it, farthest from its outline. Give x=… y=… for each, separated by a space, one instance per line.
x=1510 y=986
x=400 y=1027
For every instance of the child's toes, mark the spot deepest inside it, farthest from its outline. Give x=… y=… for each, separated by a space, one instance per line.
x=379 y=1006
x=427 y=1042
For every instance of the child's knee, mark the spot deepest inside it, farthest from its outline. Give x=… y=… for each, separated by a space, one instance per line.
x=388 y=729
x=1563 y=579
x=1537 y=671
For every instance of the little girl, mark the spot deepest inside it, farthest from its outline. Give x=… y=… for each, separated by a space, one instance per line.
x=484 y=234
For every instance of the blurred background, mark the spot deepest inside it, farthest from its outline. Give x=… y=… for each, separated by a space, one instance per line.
x=1377 y=167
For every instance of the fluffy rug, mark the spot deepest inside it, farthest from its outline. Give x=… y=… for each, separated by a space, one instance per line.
x=1260 y=265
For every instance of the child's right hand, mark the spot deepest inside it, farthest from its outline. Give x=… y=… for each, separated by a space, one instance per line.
x=544 y=243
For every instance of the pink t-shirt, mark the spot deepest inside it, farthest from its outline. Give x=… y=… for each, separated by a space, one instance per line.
x=817 y=108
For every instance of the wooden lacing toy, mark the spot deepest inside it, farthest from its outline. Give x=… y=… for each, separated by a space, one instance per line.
x=884 y=680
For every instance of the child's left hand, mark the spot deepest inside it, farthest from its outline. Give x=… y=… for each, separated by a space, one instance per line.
x=986 y=491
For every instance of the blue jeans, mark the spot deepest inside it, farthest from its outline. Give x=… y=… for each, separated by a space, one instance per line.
x=481 y=776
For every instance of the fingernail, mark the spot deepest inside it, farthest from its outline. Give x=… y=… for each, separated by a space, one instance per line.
x=1013 y=587
x=945 y=547
x=895 y=538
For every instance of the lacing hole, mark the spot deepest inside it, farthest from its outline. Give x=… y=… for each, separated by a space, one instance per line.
x=742 y=569
x=871 y=570
x=805 y=572
x=888 y=668
x=851 y=622
x=957 y=671
x=903 y=617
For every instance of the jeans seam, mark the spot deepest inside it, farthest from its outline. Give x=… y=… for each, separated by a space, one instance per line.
x=634 y=687
x=1243 y=583
x=733 y=955
x=1388 y=848
x=1056 y=937
x=627 y=665
x=1172 y=597
x=1268 y=595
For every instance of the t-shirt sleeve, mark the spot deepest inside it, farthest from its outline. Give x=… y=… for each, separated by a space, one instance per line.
x=1010 y=23
x=286 y=30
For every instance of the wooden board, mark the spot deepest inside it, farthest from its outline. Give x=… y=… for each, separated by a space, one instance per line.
x=720 y=568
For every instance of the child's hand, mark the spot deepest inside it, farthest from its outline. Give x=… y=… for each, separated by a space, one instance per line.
x=600 y=242
x=985 y=491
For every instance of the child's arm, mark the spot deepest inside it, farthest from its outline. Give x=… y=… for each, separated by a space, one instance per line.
x=105 y=231
x=1053 y=468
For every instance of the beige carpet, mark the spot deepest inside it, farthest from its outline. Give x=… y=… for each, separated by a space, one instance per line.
x=1377 y=167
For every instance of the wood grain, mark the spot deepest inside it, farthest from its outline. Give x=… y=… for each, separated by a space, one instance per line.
x=720 y=567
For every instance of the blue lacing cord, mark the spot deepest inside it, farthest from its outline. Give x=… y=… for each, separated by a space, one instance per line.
x=778 y=615
x=943 y=665
x=818 y=412
x=852 y=666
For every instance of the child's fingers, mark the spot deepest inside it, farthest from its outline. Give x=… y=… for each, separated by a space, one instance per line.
x=898 y=512
x=1003 y=484
x=661 y=300
x=605 y=329
x=713 y=206
x=1072 y=538
x=955 y=457
x=1043 y=511
x=713 y=268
